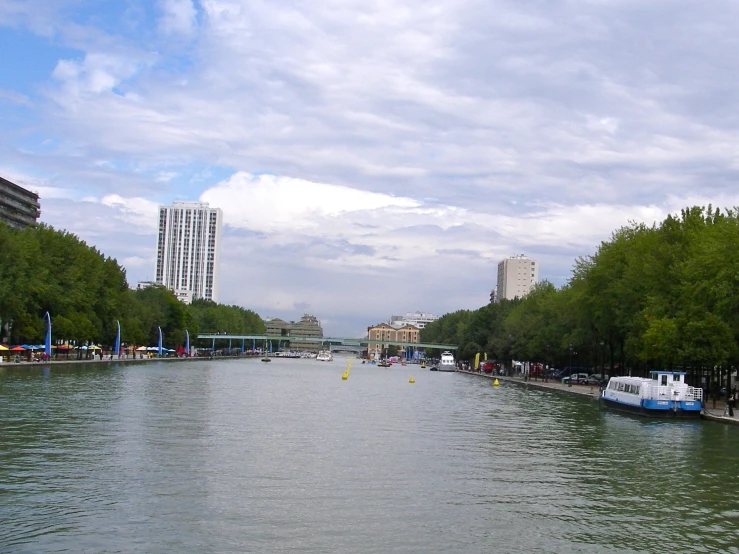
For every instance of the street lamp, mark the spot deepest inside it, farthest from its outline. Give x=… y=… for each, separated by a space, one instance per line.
x=569 y=381
x=602 y=361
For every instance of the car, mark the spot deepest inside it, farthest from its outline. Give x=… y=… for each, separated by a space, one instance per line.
x=577 y=378
x=593 y=380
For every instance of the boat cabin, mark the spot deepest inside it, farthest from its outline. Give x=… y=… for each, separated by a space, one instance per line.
x=668 y=378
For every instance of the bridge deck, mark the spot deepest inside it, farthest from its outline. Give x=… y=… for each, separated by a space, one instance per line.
x=348 y=341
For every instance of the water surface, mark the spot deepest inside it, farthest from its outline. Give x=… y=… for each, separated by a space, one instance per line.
x=242 y=456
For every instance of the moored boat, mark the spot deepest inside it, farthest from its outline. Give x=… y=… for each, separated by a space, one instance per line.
x=666 y=394
x=446 y=363
x=325 y=356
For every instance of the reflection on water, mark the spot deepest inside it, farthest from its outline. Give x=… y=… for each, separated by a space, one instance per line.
x=239 y=456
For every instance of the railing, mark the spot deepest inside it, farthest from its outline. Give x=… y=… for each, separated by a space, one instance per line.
x=669 y=393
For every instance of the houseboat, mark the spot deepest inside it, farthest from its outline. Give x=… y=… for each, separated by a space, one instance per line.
x=666 y=394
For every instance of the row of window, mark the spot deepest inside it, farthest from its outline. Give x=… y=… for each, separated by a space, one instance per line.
x=624 y=387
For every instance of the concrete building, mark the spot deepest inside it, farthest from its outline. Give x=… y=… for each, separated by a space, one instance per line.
x=387 y=332
x=417 y=319
x=189 y=249
x=494 y=295
x=19 y=208
x=308 y=327
x=516 y=276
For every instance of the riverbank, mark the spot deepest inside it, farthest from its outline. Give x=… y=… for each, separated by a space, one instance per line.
x=709 y=414
x=123 y=360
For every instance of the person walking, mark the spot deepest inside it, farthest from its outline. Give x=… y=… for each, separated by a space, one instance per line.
x=732 y=405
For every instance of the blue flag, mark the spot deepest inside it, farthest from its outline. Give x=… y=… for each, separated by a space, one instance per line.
x=160 y=341
x=187 y=343
x=117 y=348
x=47 y=344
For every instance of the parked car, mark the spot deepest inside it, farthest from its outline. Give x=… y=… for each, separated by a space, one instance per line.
x=577 y=378
x=593 y=380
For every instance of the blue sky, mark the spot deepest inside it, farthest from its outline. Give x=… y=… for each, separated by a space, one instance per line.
x=371 y=158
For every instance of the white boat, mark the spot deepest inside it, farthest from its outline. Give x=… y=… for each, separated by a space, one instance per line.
x=446 y=363
x=325 y=356
x=666 y=394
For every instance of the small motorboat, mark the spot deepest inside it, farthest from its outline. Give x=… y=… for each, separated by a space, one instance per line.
x=266 y=359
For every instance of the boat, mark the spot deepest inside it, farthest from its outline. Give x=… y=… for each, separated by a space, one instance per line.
x=666 y=394
x=423 y=365
x=446 y=363
x=325 y=356
x=384 y=363
x=265 y=359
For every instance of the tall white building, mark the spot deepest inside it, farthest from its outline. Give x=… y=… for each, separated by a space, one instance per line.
x=516 y=277
x=188 y=250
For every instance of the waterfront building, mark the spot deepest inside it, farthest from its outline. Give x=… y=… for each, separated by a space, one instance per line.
x=308 y=327
x=389 y=333
x=417 y=319
x=188 y=250
x=19 y=207
x=516 y=277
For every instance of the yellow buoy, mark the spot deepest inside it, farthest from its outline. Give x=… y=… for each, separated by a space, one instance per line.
x=345 y=376
x=495 y=383
x=411 y=380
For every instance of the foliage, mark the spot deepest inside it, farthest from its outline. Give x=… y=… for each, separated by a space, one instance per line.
x=45 y=270
x=659 y=297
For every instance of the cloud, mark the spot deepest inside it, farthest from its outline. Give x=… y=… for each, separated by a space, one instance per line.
x=179 y=17
x=368 y=140
x=140 y=212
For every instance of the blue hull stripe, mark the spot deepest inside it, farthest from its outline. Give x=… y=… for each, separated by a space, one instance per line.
x=658 y=408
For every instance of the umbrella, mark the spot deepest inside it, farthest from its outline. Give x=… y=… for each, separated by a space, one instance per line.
x=3 y=347
x=141 y=349
x=17 y=349
x=95 y=347
x=153 y=349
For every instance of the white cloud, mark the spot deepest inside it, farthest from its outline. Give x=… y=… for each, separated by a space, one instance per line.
x=415 y=135
x=179 y=17
x=139 y=212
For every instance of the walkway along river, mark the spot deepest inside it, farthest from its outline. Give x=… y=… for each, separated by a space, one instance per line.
x=240 y=456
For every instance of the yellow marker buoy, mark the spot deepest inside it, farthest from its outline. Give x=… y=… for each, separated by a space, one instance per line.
x=411 y=380
x=495 y=383
x=345 y=376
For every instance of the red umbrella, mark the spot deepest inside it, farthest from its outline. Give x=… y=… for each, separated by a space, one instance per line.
x=17 y=349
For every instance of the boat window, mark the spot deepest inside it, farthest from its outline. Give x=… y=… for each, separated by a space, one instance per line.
x=676 y=377
x=637 y=389
x=664 y=380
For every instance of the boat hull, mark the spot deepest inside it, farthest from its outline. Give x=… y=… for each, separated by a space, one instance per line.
x=667 y=412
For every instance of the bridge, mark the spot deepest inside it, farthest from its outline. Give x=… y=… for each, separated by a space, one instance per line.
x=334 y=343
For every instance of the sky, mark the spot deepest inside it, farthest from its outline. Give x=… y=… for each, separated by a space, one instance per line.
x=371 y=158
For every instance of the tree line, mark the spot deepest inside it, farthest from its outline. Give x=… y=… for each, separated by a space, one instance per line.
x=85 y=292
x=664 y=296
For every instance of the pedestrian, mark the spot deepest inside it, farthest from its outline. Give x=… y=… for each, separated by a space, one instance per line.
x=732 y=405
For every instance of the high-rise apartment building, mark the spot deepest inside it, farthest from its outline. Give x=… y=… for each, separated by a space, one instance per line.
x=188 y=250
x=19 y=207
x=516 y=277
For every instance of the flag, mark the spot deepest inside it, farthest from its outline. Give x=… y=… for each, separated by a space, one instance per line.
x=47 y=344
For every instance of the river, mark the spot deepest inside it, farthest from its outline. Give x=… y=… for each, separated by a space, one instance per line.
x=233 y=456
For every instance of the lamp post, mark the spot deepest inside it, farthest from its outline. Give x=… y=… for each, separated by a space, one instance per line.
x=546 y=367
x=602 y=361
x=569 y=380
